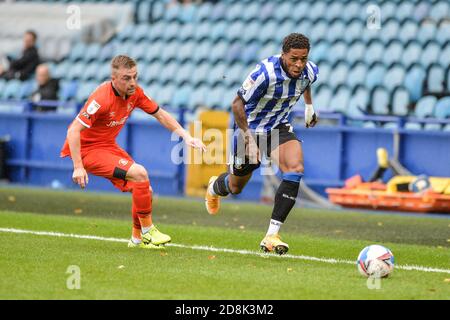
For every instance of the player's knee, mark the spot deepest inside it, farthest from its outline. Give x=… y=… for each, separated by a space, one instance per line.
x=235 y=188
x=138 y=173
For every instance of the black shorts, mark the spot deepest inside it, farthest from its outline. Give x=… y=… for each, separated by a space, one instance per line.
x=240 y=164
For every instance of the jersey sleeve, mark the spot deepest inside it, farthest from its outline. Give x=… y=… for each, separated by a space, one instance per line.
x=255 y=85
x=313 y=71
x=92 y=109
x=146 y=103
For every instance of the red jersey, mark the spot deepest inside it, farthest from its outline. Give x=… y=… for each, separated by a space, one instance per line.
x=105 y=114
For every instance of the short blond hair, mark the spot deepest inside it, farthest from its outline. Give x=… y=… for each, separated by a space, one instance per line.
x=122 y=61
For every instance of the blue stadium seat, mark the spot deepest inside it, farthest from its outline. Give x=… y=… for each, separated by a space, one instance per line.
x=75 y=71
x=324 y=73
x=143 y=11
x=425 y=107
x=186 y=33
x=61 y=69
x=426 y=32
x=166 y=94
x=200 y=74
x=340 y=99
x=253 y=10
x=126 y=33
x=283 y=30
x=78 y=51
x=90 y=71
x=84 y=91
x=430 y=54
x=389 y=31
x=322 y=98
x=103 y=72
x=374 y=53
x=446 y=128
x=250 y=53
x=355 y=52
x=334 y=10
x=107 y=51
x=432 y=126
x=421 y=11
x=440 y=11
x=356 y=75
x=218 y=52
x=234 y=31
x=435 y=79
x=394 y=77
x=375 y=76
x=234 y=12
x=413 y=126
x=283 y=11
x=353 y=31
x=353 y=10
x=26 y=89
x=269 y=50
x=267 y=32
x=339 y=76
x=338 y=51
x=336 y=31
x=400 y=102
x=442 y=108
x=202 y=51
x=388 y=10
x=443 y=33
x=67 y=90
x=218 y=31
x=448 y=80
x=214 y=98
x=319 y=51
x=444 y=57
x=218 y=12
x=380 y=101
x=197 y=97
x=405 y=10
x=169 y=51
x=410 y=54
x=204 y=11
x=184 y=73
x=155 y=51
x=186 y=51
x=169 y=71
x=316 y=10
x=187 y=13
x=408 y=32
x=414 y=81
x=171 y=12
x=319 y=31
x=358 y=103
x=181 y=97
x=392 y=53
x=141 y=32
x=216 y=74
x=171 y=31
x=234 y=52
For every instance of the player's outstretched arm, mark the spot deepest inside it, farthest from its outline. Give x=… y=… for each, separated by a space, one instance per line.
x=172 y=124
x=310 y=116
x=79 y=176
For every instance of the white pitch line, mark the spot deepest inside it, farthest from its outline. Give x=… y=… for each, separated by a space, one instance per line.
x=224 y=250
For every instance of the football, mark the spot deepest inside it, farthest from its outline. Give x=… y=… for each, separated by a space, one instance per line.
x=375 y=261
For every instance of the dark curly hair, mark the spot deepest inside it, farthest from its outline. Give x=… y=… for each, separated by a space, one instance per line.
x=295 y=41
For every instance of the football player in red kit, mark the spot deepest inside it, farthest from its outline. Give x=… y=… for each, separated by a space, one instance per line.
x=91 y=143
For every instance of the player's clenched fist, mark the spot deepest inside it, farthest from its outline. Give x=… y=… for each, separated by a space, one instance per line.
x=80 y=177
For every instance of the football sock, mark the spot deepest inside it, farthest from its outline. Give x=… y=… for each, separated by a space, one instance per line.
x=220 y=186
x=274 y=227
x=286 y=196
x=142 y=202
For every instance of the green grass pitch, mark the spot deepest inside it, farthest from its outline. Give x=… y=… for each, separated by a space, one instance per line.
x=212 y=257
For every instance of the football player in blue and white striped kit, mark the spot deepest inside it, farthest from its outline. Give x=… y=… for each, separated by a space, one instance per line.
x=261 y=112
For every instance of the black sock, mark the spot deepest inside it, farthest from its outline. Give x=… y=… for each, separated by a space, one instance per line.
x=220 y=186
x=285 y=199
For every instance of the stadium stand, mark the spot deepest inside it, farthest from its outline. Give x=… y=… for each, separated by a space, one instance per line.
x=199 y=53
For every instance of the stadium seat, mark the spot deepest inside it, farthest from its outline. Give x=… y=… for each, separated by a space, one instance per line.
x=355 y=52
x=218 y=12
x=181 y=97
x=443 y=33
x=322 y=99
x=319 y=31
x=339 y=76
x=448 y=80
x=186 y=33
x=204 y=11
x=218 y=51
x=432 y=126
x=335 y=31
x=442 y=109
x=338 y=51
x=334 y=10
x=390 y=29
x=405 y=10
x=393 y=53
x=166 y=94
x=425 y=107
x=413 y=126
x=340 y=100
x=185 y=52
x=358 y=103
x=439 y=11
x=375 y=76
x=410 y=54
x=250 y=53
x=218 y=31
x=67 y=90
x=421 y=11
x=214 y=98
x=356 y=75
x=187 y=13
x=394 y=77
x=234 y=12
x=319 y=51
x=380 y=101
x=430 y=54
x=400 y=102
x=435 y=79
x=374 y=53
x=414 y=81
x=183 y=74
x=426 y=32
x=267 y=32
x=200 y=74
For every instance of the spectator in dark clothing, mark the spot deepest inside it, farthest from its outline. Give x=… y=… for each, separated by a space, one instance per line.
x=23 y=67
x=47 y=89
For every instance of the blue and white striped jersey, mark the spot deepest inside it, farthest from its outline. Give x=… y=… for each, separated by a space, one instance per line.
x=269 y=93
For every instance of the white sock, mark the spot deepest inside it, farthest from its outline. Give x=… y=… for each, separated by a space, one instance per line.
x=144 y=230
x=211 y=190
x=274 y=227
x=135 y=240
